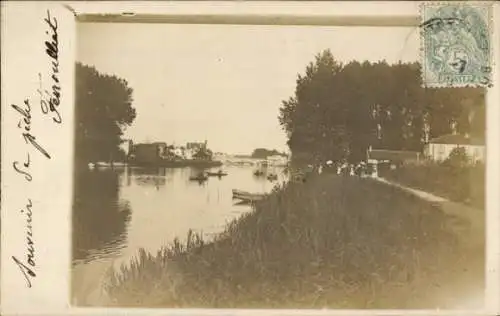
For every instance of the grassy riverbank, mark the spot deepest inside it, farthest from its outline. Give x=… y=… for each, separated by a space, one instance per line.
x=338 y=242
x=464 y=185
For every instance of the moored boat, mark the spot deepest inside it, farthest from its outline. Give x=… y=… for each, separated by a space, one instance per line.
x=219 y=173
x=272 y=177
x=247 y=196
x=258 y=173
x=198 y=177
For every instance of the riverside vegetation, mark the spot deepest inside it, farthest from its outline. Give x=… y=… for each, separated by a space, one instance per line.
x=338 y=242
x=332 y=241
x=455 y=178
x=463 y=185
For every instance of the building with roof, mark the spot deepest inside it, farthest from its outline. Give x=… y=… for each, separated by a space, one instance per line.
x=394 y=156
x=439 y=148
x=148 y=152
x=195 y=146
x=382 y=159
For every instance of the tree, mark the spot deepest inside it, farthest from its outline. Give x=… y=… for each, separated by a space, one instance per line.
x=103 y=111
x=339 y=111
x=312 y=118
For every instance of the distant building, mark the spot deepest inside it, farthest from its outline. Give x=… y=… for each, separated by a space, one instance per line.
x=439 y=148
x=383 y=159
x=394 y=156
x=179 y=152
x=149 y=152
x=196 y=146
x=162 y=148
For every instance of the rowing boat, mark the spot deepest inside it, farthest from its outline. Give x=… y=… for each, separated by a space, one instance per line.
x=216 y=174
x=199 y=177
x=247 y=196
x=272 y=177
x=258 y=173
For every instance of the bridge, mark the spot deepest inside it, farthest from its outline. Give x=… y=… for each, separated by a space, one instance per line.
x=231 y=160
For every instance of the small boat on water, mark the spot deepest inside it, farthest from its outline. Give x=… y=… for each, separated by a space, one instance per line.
x=199 y=177
x=103 y=164
x=243 y=202
x=219 y=173
x=247 y=196
x=272 y=177
x=258 y=173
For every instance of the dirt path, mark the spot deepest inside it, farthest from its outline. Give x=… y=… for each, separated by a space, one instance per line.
x=468 y=222
x=467 y=271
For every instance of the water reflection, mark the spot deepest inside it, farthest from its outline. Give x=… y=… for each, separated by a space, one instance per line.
x=154 y=177
x=100 y=218
x=118 y=211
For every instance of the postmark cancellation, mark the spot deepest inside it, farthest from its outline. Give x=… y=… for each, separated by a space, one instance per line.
x=456 y=44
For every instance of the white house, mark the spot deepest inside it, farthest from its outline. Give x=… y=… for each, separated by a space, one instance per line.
x=438 y=149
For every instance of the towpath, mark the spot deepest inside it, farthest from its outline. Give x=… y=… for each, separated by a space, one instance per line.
x=468 y=224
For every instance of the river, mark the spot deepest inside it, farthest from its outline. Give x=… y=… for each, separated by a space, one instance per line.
x=118 y=211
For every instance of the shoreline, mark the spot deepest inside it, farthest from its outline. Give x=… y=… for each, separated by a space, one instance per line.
x=178 y=164
x=159 y=164
x=298 y=241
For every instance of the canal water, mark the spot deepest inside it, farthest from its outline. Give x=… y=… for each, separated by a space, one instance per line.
x=119 y=211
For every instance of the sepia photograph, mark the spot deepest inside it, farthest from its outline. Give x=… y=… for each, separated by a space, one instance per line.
x=276 y=167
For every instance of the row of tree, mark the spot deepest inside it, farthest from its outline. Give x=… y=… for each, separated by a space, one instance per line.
x=339 y=110
x=103 y=111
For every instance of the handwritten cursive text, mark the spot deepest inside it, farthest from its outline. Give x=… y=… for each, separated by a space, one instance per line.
x=25 y=124
x=24 y=170
x=49 y=101
x=27 y=268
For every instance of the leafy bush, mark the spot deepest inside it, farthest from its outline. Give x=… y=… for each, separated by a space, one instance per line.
x=458 y=158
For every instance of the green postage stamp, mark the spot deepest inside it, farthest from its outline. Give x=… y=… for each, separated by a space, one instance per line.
x=456 y=44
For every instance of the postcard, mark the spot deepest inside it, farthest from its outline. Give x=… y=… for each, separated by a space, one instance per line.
x=217 y=158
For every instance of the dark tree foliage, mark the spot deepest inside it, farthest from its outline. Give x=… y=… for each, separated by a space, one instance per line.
x=339 y=110
x=103 y=110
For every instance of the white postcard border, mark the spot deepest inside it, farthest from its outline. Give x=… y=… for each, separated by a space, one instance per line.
x=23 y=57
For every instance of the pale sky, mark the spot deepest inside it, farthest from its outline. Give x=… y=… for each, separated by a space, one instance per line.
x=224 y=83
